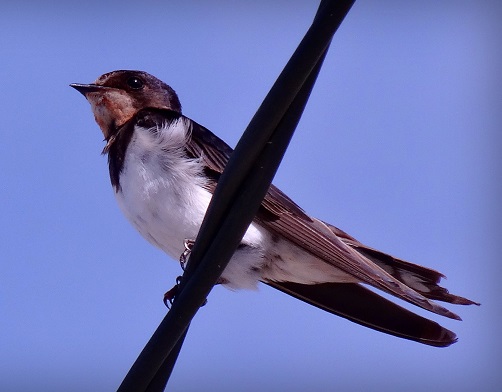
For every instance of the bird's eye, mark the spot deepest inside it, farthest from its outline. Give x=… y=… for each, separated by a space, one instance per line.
x=135 y=82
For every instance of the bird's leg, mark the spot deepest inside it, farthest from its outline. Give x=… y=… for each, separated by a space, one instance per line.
x=188 y=245
x=170 y=295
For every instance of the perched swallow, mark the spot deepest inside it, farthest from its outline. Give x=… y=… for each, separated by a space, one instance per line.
x=164 y=168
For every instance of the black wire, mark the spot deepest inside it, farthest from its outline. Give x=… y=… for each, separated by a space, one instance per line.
x=237 y=197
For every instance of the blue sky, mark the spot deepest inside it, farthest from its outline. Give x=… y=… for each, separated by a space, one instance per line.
x=399 y=146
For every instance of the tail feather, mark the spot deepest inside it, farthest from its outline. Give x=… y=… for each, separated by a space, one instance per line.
x=421 y=279
x=358 y=304
x=415 y=276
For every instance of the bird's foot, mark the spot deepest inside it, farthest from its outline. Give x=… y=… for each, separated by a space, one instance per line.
x=169 y=295
x=188 y=245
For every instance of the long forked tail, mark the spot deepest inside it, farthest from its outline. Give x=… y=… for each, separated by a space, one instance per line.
x=359 y=304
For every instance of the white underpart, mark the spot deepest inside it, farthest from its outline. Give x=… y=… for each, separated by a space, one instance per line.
x=163 y=197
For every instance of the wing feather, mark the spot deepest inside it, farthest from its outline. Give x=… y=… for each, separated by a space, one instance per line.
x=280 y=214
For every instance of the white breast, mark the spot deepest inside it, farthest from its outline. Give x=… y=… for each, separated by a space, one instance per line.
x=162 y=195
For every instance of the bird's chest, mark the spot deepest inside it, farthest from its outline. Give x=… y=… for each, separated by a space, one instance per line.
x=161 y=194
x=161 y=191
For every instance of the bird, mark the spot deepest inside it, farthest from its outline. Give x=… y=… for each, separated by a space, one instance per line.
x=164 y=168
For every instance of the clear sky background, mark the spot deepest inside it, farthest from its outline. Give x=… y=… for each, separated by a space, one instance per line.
x=399 y=146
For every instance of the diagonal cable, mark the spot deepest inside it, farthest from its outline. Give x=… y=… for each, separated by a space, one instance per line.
x=237 y=197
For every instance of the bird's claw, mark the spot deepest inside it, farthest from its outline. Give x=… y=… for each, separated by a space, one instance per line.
x=171 y=294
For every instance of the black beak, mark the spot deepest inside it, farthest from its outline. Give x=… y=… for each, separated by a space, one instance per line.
x=86 y=88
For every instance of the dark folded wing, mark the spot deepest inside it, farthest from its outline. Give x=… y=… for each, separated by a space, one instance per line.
x=281 y=215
